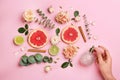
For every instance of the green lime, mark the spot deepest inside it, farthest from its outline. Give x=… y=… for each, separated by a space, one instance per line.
x=53 y=50
x=18 y=40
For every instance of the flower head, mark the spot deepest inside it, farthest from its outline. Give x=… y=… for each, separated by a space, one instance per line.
x=69 y=51
x=28 y=15
x=62 y=17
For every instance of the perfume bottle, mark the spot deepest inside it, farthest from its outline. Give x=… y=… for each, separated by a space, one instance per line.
x=87 y=58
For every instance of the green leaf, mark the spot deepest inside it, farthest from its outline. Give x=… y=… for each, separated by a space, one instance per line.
x=31 y=59
x=26 y=33
x=76 y=13
x=50 y=60
x=24 y=59
x=45 y=59
x=26 y=26
x=57 y=31
x=21 y=30
x=71 y=64
x=38 y=58
x=65 y=65
x=21 y=63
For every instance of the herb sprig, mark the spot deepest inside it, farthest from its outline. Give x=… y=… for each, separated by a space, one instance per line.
x=37 y=58
x=24 y=29
x=66 y=64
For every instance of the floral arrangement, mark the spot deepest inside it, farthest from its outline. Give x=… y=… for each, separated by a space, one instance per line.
x=38 y=38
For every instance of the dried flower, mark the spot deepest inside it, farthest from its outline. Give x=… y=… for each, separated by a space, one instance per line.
x=50 y=9
x=28 y=15
x=77 y=18
x=47 y=68
x=69 y=51
x=62 y=17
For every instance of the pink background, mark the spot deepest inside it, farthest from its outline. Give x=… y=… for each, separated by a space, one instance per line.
x=106 y=15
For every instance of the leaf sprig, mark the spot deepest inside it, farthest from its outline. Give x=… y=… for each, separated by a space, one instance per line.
x=37 y=58
x=66 y=64
x=24 y=29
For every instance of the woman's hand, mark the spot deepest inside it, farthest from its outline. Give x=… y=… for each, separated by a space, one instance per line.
x=104 y=62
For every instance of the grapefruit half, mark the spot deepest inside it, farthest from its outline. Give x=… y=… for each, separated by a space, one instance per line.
x=70 y=34
x=37 y=38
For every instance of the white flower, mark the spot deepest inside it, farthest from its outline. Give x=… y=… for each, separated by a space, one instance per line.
x=77 y=18
x=55 y=40
x=50 y=9
x=28 y=15
x=47 y=68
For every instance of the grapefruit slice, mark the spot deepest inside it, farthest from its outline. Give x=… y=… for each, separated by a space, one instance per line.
x=37 y=38
x=70 y=34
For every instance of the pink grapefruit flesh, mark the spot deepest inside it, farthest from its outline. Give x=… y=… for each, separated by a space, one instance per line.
x=70 y=34
x=37 y=38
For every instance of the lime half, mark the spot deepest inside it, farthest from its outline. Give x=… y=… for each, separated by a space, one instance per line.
x=18 y=40
x=53 y=51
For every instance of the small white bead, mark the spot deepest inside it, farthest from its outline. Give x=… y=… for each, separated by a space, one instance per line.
x=47 y=68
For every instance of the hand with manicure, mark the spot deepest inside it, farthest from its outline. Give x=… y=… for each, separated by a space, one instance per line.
x=104 y=62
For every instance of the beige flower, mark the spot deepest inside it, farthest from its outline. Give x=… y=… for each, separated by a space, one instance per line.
x=69 y=51
x=28 y=15
x=62 y=17
x=77 y=18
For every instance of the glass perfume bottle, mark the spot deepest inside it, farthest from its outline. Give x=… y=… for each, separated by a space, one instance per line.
x=87 y=58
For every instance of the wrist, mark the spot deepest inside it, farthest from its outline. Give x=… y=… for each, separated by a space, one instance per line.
x=109 y=77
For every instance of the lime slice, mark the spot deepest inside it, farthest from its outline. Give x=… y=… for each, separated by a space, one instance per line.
x=18 y=40
x=53 y=51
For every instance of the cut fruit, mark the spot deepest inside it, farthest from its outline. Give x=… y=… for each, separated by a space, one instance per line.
x=53 y=51
x=37 y=38
x=18 y=40
x=70 y=34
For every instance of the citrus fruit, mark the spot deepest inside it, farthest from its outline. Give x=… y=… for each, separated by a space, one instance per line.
x=37 y=38
x=18 y=40
x=53 y=50
x=70 y=34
